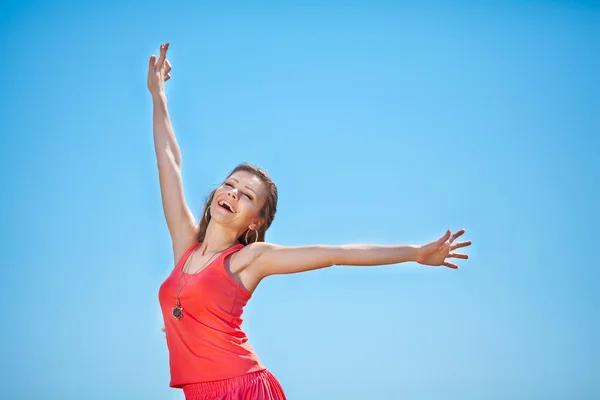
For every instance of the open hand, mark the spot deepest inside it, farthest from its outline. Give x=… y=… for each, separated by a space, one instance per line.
x=436 y=252
x=158 y=71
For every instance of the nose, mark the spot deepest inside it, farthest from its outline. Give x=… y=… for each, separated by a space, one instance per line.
x=233 y=193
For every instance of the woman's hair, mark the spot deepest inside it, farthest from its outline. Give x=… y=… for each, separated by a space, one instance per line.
x=267 y=212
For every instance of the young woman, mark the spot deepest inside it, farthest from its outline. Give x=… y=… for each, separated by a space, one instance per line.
x=220 y=260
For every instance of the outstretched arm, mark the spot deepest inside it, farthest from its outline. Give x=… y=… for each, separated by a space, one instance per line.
x=180 y=221
x=272 y=259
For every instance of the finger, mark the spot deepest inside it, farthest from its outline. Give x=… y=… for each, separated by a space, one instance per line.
x=163 y=55
x=167 y=66
x=450 y=265
x=167 y=77
x=457 y=234
x=458 y=255
x=152 y=61
x=460 y=244
x=443 y=239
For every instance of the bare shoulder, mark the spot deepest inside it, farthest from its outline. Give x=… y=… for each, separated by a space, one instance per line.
x=243 y=264
x=250 y=253
x=182 y=242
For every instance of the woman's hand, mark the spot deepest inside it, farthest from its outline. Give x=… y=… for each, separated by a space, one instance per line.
x=436 y=252
x=158 y=71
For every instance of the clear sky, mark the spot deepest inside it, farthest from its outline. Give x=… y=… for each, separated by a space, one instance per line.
x=384 y=123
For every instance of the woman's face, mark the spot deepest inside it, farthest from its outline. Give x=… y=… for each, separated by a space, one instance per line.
x=238 y=201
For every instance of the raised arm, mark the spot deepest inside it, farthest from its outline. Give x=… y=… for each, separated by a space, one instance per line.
x=271 y=259
x=180 y=220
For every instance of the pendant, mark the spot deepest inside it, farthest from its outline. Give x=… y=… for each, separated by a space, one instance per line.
x=177 y=312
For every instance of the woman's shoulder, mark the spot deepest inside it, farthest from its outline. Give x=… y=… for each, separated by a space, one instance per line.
x=249 y=253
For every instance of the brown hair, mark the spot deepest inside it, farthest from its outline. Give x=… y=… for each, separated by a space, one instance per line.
x=267 y=212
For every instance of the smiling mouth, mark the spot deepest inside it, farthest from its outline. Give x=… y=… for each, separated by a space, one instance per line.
x=227 y=206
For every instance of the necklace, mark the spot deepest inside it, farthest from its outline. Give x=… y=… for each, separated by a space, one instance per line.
x=177 y=311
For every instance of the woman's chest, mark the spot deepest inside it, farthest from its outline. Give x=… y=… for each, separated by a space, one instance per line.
x=206 y=290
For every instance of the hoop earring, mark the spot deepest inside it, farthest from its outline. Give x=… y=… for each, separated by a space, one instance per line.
x=206 y=214
x=248 y=231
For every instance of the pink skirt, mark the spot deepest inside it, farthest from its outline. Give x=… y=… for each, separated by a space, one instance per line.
x=260 y=385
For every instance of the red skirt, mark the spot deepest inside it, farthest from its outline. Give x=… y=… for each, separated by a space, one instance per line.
x=260 y=385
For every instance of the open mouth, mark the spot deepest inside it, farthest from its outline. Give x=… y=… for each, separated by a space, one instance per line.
x=226 y=206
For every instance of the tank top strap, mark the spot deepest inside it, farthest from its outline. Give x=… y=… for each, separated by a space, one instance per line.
x=231 y=250
x=185 y=256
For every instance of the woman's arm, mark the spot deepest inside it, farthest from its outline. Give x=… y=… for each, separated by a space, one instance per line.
x=270 y=259
x=180 y=220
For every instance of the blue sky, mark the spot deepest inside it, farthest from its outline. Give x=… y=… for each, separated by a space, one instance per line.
x=386 y=123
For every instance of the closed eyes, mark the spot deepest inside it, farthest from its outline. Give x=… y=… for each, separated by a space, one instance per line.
x=245 y=194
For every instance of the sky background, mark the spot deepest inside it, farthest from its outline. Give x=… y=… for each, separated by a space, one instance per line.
x=385 y=123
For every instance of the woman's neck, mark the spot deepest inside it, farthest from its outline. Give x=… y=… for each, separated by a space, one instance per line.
x=218 y=239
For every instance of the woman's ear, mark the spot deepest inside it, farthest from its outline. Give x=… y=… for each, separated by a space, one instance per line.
x=256 y=225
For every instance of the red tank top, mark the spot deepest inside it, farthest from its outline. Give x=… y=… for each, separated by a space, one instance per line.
x=207 y=343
